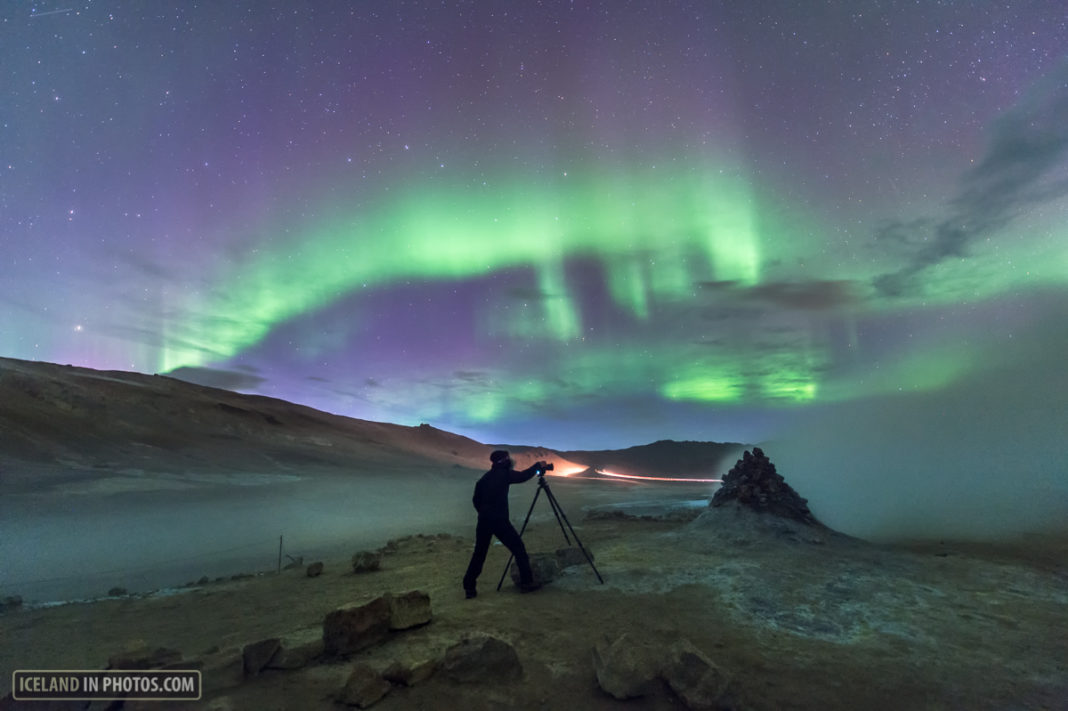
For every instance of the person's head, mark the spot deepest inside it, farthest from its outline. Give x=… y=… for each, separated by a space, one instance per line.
x=501 y=458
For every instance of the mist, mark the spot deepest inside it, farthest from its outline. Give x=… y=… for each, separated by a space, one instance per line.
x=982 y=459
x=82 y=544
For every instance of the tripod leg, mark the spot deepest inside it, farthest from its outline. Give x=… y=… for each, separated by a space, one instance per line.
x=525 y=521
x=560 y=514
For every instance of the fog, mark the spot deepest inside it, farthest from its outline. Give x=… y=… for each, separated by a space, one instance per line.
x=80 y=545
x=74 y=545
x=983 y=459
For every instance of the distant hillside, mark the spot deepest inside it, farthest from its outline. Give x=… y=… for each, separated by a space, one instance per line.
x=663 y=458
x=54 y=416
x=61 y=421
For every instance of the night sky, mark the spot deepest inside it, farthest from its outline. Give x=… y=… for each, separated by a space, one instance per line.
x=578 y=224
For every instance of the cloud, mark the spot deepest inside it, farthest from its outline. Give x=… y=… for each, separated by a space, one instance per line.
x=217 y=378
x=1025 y=144
x=818 y=295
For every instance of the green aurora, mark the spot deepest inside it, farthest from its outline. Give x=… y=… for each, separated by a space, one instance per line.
x=668 y=247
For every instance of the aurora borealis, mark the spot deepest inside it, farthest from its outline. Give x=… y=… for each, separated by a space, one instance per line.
x=579 y=224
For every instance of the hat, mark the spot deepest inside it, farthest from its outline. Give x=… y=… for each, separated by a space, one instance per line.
x=499 y=455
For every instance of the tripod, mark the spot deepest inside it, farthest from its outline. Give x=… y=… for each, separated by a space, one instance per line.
x=561 y=518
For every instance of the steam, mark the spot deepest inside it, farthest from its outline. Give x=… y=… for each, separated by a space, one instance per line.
x=982 y=459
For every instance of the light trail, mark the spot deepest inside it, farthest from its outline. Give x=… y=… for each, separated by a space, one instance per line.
x=571 y=472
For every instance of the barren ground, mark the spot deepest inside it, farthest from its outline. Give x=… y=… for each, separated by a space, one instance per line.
x=835 y=624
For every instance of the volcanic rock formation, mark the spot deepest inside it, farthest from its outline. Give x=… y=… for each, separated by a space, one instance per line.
x=754 y=483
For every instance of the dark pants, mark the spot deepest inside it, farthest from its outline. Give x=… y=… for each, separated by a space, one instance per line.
x=504 y=530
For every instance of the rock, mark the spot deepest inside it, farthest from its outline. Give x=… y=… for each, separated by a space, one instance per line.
x=116 y=592
x=481 y=658
x=353 y=627
x=411 y=609
x=366 y=561
x=298 y=649
x=204 y=580
x=409 y=672
x=626 y=668
x=137 y=655
x=568 y=557
x=694 y=677
x=220 y=669
x=258 y=655
x=754 y=483
x=11 y=602
x=363 y=687
x=315 y=570
x=543 y=568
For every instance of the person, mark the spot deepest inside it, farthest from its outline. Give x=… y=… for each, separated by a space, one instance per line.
x=491 y=503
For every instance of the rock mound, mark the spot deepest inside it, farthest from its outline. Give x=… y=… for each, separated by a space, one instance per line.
x=754 y=483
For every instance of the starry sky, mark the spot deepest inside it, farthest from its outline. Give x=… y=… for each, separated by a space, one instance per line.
x=580 y=224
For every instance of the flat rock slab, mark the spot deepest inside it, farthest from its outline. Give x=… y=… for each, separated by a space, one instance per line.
x=257 y=655
x=410 y=609
x=626 y=667
x=297 y=649
x=482 y=659
x=354 y=627
x=364 y=687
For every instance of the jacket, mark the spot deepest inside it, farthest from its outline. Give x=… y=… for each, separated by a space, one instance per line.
x=491 y=492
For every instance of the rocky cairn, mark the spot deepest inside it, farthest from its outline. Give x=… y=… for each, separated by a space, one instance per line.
x=753 y=483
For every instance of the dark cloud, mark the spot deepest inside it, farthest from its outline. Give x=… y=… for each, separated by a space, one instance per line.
x=472 y=376
x=813 y=295
x=906 y=234
x=820 y=295
x=215 y=378
x=1025 y=144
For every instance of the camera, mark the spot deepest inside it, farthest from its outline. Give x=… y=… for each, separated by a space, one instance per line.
x=547 y=468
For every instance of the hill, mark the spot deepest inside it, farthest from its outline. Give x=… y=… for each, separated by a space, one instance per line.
x=65 y=421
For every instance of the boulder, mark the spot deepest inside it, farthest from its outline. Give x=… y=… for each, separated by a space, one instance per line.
x=694 y=677
x=138 y=655
x=411 y=609
x=297 y=649
x=568 y=557
x=543 y=568
x=626 y=668
x=366 y=561
x=219 y=669
x=257 y=655
x=363 y=687
x=116 y=591
x=410 y=672
x=353 y=627
x=11 y=602
x=315 y=570
x=481 y=658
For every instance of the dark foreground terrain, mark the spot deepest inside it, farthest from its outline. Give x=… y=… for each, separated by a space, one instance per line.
x=798 y=618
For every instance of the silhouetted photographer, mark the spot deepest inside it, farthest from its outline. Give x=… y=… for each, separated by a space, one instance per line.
x=491 y=502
